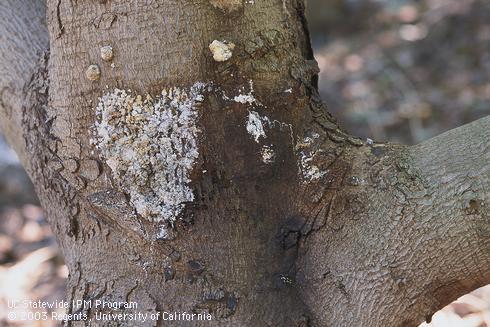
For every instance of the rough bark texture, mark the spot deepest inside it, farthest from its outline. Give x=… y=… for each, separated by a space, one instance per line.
x=23 y=38
x=406 y=240
x=330 y=231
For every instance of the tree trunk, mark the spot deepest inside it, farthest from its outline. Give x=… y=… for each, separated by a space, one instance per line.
x=248 y=202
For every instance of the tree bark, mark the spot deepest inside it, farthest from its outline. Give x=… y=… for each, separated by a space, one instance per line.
x=23 y=37
x=293 y=222
x=409 y=239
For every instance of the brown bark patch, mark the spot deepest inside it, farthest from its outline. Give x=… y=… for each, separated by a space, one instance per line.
x=227 y=5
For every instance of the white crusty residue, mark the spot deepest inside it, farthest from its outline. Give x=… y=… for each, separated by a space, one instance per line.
x=162 y=233
x=310 y=172
x=246 y=98
x=268 y=154
x=221 y=50
x=254 y=126
x=307 y=168
x=151 y=146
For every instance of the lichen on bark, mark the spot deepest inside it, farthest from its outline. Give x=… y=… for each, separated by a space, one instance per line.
x=151 y=147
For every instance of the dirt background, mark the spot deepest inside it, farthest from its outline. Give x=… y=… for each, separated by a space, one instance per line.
x=399 y=71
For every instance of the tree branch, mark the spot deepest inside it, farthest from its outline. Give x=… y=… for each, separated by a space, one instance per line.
x=23 y=36
x=455 y=170
x=406 y=234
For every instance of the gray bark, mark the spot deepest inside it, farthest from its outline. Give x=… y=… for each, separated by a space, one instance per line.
x=23 y=38
x=409 y=239
x=333 y=232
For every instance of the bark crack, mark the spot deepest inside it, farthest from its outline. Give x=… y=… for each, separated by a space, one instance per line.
x=60 y=26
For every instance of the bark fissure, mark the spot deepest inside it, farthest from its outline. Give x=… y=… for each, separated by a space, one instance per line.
x=58 y=19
